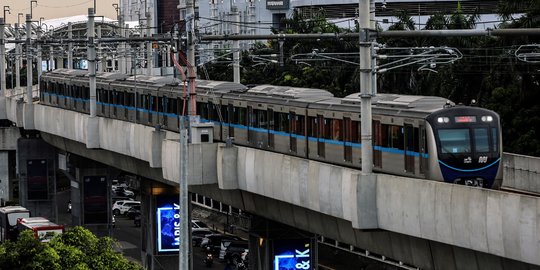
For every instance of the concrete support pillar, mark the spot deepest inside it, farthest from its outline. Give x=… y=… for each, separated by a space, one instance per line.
x=37 y=177
x=92 y=128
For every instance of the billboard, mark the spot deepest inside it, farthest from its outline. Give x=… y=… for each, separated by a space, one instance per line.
x=277 y=4
x=292 y=254
x=95 y=200
x=167 y=223
x=37 y=184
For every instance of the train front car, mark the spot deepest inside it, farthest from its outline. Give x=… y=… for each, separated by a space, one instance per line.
x=468 y=146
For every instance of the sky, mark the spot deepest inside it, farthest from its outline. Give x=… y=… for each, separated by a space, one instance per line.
x=52 y=9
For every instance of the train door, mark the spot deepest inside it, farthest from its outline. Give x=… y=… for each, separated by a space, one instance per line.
x=292 y=131
x=422 y=146
x=321 y=124
x=250 y=123
x=230 y=115
x=347 y=138
x=271 y=127
x=377 y=143
x=409 y=148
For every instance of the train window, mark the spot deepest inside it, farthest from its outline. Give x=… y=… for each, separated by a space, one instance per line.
x=261 y=119
x=271 y=121
x=224 y=113
x=239 y=116
x=160 y=106
x=454 y=141
x=282 y=121
x=355 y=131
x=336 y=129
x=396 y=137
x=327 y=126
x=495 y=139
x=481 y=140
x=312 y=127
x=153 y=103
x=299 y=124
x=86 y=93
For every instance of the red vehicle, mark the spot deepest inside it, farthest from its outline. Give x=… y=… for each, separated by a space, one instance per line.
x=44 y=230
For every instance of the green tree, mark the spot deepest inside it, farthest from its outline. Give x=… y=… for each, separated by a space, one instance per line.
x=76 y=249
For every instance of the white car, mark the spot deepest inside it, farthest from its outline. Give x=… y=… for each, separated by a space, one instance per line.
x=121 y=207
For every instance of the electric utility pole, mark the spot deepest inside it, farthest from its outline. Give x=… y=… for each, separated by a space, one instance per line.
x=365 y=85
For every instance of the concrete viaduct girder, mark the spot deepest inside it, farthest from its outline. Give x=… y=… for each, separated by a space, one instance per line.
x=484 y=221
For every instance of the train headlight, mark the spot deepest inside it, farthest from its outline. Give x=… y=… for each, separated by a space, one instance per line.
x=441 y=120
x=487 y=118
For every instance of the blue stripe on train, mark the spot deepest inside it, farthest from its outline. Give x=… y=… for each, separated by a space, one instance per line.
x=262 y=130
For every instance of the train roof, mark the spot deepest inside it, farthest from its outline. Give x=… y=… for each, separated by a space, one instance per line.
x=402 y=102
x=12 y=209
x=220 y=86
x=157 y=80
x=289 y=92
x=69 y=72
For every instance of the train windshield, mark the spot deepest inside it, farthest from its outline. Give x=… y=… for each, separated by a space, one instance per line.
x=455 y=141
x=458 y=141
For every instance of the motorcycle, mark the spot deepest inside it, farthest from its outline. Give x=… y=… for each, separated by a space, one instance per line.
x=209 y=259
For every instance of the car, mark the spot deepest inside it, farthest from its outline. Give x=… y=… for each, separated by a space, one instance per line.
x=214 y=241
x=198 y=234
x=121 y=207
x=121 y=191
x=134 y=211
x=195 y=223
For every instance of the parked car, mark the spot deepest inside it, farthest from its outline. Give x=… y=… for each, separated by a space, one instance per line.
x=232 y=249
x=198 y=234
x=121 y=191
x=121 y=207
x=134 y=211
x=214 y=241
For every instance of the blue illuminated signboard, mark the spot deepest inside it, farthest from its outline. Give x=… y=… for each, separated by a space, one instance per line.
x=168 y=224
x=292 y=254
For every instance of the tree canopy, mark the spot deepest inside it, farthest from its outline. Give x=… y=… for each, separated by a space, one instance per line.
x=76 y=249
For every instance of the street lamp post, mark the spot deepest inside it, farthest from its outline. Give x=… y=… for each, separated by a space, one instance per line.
x=40 y=20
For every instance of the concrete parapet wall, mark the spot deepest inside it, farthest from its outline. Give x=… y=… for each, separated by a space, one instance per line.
x=68 y=124
x=499 y=223
x=202 y=162
x=521 y=172
x=317 y=186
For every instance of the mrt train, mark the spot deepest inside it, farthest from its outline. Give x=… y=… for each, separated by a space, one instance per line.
x=413 y=136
